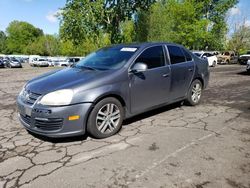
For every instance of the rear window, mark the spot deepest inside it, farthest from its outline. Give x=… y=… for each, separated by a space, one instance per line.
x=176 y=55
x=187 y=55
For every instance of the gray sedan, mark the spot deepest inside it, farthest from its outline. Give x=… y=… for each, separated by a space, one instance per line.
x=110 y=85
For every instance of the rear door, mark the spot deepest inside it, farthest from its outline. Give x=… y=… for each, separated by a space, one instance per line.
x=182 y=71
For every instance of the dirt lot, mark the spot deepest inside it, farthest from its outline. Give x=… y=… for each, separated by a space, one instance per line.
x=176 y=146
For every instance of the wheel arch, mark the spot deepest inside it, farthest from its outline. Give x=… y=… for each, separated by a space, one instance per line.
x=200 y=79
x=98 y=99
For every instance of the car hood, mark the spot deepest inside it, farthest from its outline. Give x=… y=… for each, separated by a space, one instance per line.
x=63 y=79
x=223 y=56
x=246 y=55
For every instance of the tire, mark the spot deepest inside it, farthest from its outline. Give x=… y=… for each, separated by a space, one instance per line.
x=101 y=123
x=194 y=93
x=214 y=64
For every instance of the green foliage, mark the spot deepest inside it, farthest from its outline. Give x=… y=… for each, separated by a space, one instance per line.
x=86 y=25
x=240 y=40
x=84 y=19
x=2 y=42
x=47 y=45
x=20 y=34
x=197 y=24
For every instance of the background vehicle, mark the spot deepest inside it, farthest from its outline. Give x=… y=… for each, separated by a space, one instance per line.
x=248 y=66
x=13 y=63
x=211 y=58
x=61 y=63
x=2 y=65
x=72 y=60
x=243 y=59
x=227 y=57
x=41 y=62
x=110 y=85
x=32 y=59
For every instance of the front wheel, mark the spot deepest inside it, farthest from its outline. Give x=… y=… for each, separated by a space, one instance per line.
x=106 y=118
x=194 y=93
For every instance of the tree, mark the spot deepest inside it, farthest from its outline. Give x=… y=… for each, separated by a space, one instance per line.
x=197 y=24
x=176 y=22
x=46 y=45
x=2 y=42
x=20 y=34
x=84 y=19
x=240 y=39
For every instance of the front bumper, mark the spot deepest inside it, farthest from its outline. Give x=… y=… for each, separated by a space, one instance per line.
x=53 y=121
x=16 y=65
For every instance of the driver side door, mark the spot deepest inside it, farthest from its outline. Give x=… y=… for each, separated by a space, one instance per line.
x=151 y=87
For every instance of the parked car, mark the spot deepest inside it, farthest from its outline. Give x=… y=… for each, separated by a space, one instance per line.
x=243 y=59
x=110 y=85
x=248 y=66
x=32 y=59
x=61 y=63
x=41 y=62
x=72 y=60
x=227 y=57
x=211 y=58
x=13 y=63
x=2 y=65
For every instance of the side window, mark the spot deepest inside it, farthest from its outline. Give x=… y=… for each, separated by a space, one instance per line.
x=153 y=57
x=176 y=55
x=187 y=55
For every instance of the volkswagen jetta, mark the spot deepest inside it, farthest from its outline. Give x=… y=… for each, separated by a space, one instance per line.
x=110 y=85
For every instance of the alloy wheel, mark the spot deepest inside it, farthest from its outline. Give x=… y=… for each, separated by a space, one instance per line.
x=108 y=118
x=196 y=93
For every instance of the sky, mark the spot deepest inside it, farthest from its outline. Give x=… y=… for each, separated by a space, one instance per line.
x=239 y=15
x=41 y=14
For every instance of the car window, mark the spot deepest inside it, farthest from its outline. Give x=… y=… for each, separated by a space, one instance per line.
x=108 y=58
x=153 y=57
x=176 y=55
x=187 y=55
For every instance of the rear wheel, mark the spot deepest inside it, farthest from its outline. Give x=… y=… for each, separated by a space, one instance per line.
x=106 y=118
x=194 y=93
x=214 y=64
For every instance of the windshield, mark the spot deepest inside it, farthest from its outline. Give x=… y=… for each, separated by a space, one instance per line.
x=107 y=58
x=226 y=53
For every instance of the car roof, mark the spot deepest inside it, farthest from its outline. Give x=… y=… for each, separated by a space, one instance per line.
x=142 y=45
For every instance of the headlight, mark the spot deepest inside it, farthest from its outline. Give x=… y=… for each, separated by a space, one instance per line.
x=60 y=97
x=22 y=91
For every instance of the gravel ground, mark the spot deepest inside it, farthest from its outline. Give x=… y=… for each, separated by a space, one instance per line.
x=175 y=146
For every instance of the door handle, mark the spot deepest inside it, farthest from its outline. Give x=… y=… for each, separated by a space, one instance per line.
x=165 y=75
x=190 y=70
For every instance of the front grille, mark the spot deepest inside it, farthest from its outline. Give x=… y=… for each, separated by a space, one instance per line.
x=26 y=119
x=50 y=124
x=31 y=98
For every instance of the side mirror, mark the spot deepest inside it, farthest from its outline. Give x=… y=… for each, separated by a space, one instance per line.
x=205 y=57
x=139 y=67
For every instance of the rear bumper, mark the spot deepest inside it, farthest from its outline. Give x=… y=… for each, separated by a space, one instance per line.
x=54 y=121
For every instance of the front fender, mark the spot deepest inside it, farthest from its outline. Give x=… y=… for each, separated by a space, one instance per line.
x=94 y=94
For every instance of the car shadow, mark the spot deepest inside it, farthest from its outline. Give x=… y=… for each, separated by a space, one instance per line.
x=244 y=73
x=60 y=140
x=152 y=113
